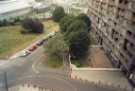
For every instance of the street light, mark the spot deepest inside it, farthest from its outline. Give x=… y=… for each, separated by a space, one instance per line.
x=5 y=79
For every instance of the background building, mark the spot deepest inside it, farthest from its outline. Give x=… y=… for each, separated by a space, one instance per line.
x=113 y=23
x=14 y=8
x=71 y=6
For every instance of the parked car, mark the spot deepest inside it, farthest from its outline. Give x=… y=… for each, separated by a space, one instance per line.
x=41 y=42
x=24 y=53
x=33 y=48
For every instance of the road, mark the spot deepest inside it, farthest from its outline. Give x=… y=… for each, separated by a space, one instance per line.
x=21 y=70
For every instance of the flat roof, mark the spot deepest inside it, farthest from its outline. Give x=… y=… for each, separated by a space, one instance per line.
x=12 y=5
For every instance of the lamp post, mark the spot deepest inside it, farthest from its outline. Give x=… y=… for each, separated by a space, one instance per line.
x=5 y=79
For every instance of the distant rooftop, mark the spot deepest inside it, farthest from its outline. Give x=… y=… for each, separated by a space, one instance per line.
x=12 y=5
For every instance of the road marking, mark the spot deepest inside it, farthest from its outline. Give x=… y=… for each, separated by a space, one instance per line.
x=34 y=67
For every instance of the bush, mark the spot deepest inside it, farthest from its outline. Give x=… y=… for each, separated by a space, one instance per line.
x=33 y=26
x=58 y=14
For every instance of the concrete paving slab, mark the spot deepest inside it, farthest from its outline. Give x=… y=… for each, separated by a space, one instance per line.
x=112 y=77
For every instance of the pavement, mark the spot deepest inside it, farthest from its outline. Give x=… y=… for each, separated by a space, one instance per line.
x=103 y=76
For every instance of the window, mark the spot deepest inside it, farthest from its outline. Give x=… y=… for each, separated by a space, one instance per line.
x=120 y=1
x=125 y=44
x=129 y=33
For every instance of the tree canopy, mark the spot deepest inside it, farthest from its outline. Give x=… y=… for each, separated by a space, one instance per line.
x=77 y=38
x=86 y=19
x=65 y=22
x=75 y=27
x=56 y=46
x=79 y=45
x=58 y=14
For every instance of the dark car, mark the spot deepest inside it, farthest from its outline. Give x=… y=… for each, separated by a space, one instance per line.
x=40 y=43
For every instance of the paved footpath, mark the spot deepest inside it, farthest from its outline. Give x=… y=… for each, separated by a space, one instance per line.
x=105 y=76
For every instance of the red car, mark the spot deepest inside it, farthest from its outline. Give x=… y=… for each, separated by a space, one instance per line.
x=33 y=48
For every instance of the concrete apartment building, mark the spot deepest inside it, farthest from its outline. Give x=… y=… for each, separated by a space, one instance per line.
x=113 y=23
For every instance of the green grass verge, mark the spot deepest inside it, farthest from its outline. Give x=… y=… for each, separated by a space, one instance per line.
x=54 y=62
x=11 y=40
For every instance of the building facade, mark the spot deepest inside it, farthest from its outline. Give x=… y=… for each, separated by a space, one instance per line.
x=113 y=22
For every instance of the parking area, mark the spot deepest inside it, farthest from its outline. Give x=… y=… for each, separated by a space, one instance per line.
x=25 y=52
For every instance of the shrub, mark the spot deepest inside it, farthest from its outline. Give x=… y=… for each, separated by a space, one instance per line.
x=32 y=25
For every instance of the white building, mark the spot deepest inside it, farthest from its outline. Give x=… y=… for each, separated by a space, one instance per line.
x=14 y=8
x=70 y=6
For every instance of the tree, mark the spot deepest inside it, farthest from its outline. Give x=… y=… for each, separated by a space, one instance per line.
x=56 y=46
x=33 y=25
x=86 y=19
x=65 y=22
x=75 y=27
x=58 y=14
x=77 y=38
x=79 y=44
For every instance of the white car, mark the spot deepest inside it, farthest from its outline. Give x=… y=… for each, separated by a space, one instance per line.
x=24 y=53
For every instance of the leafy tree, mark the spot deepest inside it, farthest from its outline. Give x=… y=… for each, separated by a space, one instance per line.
x=86 y=19
x=58 y=14
x=65 y=22
x=77 y=38
x=79 y=44
x=56 y=46
x=32 y=25
x=74 y=27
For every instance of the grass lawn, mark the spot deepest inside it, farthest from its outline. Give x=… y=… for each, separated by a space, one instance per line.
x=54 y=62
x=11 y=40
